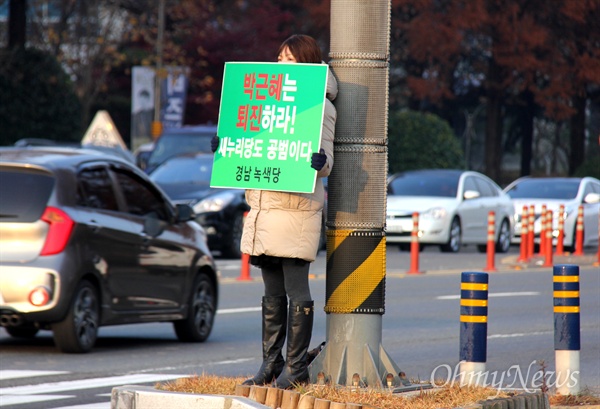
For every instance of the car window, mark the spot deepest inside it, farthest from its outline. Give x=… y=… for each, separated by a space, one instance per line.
x=589 y=188
x=421 y=185
x=142 y=200
x=170 y=145
x=544 y=189
x=470 y=184
x=95 y=189
x=486 y=189
x=24 y=194
x=185 y=170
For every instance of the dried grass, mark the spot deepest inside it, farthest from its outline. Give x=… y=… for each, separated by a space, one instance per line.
x=437 y=398
x=585 y=397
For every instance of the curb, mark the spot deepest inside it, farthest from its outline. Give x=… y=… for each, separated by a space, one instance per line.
x=146 y=397
x=524 y=401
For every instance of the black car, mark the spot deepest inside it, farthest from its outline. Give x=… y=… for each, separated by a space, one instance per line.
x=175 y=141
x=186 y=180
x=88 y=240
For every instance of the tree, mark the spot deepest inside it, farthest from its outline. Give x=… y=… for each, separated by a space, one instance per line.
x=204 y=35
x=421 y=141
x=99 y=41
x=37 y=98
x=17 y=23
x=505 y=49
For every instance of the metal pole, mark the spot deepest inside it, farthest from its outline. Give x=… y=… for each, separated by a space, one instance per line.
x=355 y=284
x=158 y=75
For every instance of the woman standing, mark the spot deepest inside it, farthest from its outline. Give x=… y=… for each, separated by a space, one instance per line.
x=281 y=235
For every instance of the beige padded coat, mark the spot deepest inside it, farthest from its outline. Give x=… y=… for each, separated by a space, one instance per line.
x=284 y=224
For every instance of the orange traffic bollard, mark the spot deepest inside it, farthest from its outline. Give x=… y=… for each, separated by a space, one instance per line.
x=579 y=233
x=491 y=242
x=531 y=238
x=548 y=241
x=560 y=245
x=542 y=246
x=245 y=267
x=524 y=235
x=597 y=263
x=414 y=246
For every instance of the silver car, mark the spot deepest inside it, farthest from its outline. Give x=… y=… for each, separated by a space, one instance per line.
x=553 y=192
x=453 y=207
x=86 y=240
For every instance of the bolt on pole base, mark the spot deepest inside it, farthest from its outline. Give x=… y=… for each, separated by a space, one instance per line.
x=355 y=357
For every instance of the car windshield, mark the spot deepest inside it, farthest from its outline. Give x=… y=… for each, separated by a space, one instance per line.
x=544 y=189
x=418 y=184
x=168 y=146
x=184 y=170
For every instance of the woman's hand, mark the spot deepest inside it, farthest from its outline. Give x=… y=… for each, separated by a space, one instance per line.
x=214 y=143
x=318 y=160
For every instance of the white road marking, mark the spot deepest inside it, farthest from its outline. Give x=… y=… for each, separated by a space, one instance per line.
x=517 y=334
x=490 y=295
x=87 y=384
x=101 y=405
x=13 y=374
x=6 y=400
x=238 y=310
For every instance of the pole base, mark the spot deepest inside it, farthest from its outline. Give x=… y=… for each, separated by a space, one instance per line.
x=379 y=373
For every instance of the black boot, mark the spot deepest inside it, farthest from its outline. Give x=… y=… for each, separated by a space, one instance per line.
x=274 y=320
x=300 y=323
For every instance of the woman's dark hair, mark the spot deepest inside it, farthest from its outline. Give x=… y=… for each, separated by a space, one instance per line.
x=304 y=48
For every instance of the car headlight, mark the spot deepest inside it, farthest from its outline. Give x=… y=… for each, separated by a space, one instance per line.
x=214 y=203
x=434 y=213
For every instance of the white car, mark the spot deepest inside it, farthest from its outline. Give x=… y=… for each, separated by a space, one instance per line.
x=453 y=207
x=553 y=192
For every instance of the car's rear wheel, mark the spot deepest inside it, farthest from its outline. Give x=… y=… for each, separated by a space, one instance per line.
x=455 y=239
x=202 y=307
x=503 y=242
x=79 y=330
x=232 y=247
x=22 y=332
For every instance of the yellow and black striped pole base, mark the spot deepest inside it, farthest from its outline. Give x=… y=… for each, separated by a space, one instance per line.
x=355 y=272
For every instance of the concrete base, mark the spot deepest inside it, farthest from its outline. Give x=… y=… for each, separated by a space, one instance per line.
x=146 y=397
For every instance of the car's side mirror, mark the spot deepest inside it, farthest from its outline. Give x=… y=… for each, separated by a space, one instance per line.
x=591 y=198
x=153 y=226
x=471 y=194
x=184 y=213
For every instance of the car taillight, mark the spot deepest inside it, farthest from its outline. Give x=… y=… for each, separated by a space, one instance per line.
x=40 y=296
x=59 y=231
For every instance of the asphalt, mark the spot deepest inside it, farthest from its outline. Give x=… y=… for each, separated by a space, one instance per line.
x=143 y=397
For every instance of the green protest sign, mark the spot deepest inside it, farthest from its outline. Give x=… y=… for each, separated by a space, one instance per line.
x=270 y=122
